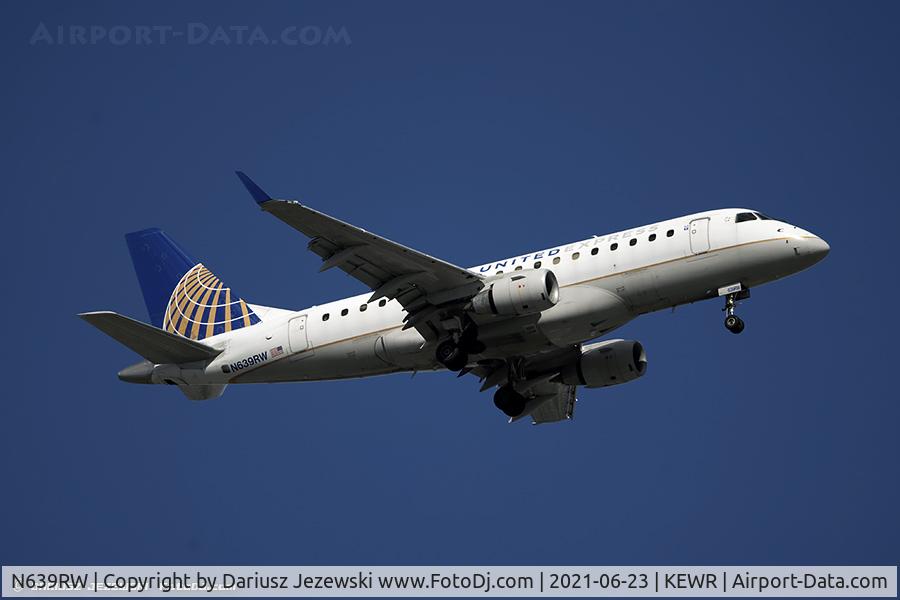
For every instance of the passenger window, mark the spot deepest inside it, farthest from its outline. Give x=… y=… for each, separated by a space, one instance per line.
x=633 y=242
x=344 y=312
x=614 y=246
x=670 y=233
x=741 y=217
x=652 y=237
x=556 y=261
x=325 y=317
x=576 y=255
x=382 y=302
x=537 y=265
x=499 y=273
x=363 y=307
x=519 y=268
x=595 y=251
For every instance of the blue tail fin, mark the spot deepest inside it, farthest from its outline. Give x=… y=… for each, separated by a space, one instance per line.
x=183 y=296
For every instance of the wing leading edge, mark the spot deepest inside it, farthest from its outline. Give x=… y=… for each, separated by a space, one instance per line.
x=426 y=287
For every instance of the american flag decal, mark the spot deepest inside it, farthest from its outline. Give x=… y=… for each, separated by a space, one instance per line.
x=277 y=351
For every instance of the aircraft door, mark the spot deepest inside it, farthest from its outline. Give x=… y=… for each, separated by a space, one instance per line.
x=297 y=334
x=700 y=235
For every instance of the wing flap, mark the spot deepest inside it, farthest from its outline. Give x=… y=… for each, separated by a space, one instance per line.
x=332 y=237
x=559 y=406
x=418 y=281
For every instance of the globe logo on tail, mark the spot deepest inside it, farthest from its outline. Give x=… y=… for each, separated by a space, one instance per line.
x=201 y=306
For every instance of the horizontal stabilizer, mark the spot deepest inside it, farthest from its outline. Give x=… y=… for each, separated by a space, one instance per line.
x=156 y=345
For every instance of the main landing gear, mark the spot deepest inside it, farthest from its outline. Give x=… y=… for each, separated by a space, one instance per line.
x=734 y=323
x=451 y=355
x=454 y=352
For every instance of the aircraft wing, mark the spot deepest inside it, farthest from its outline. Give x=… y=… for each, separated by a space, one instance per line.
x=549 y=401
x=559 y=405
x=423 y=284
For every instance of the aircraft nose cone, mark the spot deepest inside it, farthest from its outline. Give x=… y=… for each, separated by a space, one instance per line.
x=820 y=247
x=816 y=248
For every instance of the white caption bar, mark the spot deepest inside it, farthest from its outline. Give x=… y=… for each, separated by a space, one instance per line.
x=424 y=582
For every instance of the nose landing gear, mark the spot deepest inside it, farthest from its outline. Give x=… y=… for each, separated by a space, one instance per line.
x=734 y=323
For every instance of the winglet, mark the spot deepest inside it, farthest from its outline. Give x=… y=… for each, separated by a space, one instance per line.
x=255 y=191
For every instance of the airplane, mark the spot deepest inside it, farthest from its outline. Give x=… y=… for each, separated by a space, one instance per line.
x=522 y=325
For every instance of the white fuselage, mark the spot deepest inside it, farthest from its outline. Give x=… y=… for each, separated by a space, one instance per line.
x=605 y=281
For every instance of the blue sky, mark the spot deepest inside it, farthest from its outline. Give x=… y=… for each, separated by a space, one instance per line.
x=470 y=131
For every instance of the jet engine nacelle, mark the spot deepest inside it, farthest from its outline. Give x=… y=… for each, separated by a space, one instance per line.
x=518 y=293
x=606 y=363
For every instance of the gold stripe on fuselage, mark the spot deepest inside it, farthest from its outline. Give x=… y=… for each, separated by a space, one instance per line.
x=574 y=283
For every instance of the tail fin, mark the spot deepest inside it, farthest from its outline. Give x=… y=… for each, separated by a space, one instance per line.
x=182 y=296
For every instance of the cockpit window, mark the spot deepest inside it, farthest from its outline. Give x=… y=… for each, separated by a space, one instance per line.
x=764 y=217
x=741 y=217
